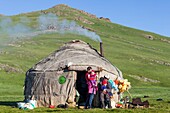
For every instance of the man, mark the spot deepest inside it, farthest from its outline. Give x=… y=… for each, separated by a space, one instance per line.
x=104 y=94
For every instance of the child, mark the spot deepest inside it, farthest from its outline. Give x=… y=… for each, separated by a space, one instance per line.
x=104 y=87
x=92 y=78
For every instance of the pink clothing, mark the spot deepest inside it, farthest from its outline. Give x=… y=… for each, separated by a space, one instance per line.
x=91 y=82
x=90 y=76
x=91 y=88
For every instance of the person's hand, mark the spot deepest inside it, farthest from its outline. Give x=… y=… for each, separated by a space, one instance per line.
x=96 y=88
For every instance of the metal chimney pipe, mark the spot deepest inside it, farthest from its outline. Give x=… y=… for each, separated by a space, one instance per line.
x=101 y=49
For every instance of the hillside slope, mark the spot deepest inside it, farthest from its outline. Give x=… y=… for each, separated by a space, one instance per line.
x=143 y=57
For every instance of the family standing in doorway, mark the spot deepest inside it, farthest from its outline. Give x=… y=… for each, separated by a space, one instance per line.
x=104 y=88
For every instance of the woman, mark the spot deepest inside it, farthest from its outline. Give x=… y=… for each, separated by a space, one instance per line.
x=92 y=88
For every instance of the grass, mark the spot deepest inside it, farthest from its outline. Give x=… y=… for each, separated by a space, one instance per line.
x=153 y=92
x=126 y=48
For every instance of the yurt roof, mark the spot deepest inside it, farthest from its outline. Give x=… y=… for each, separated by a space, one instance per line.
x=78 y=55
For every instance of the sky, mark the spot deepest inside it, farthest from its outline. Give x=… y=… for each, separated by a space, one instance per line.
x=147 y=15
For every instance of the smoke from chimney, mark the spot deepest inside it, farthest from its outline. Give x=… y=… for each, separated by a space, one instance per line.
x=51 y=22
x=47 y=23
x=12 y=31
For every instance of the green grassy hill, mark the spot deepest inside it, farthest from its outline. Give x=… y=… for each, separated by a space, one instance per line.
x=143 y=57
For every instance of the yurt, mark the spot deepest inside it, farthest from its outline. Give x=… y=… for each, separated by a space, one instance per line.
x=60 y=77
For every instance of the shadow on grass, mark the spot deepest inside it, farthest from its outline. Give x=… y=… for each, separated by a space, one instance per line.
x=8 y=103
x=56 y=110
x=72 y=110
